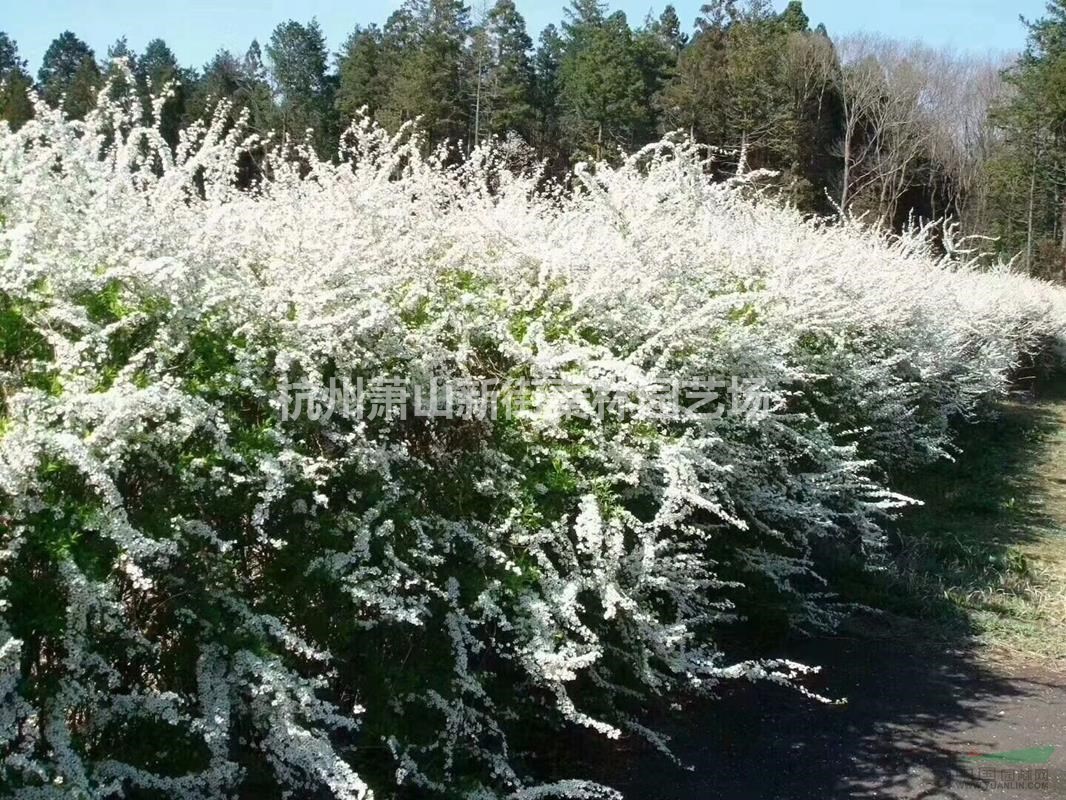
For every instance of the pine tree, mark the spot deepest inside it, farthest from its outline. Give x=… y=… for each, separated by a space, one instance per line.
x=733 y=88
x=9 y=55
x=818 y=119
x=603 y=93
x=298 y=62
x=242 y=83
x=219 y=80
x=399 y=42
x=157 y=70
x=717 y=15
x=15 y=83
x=1029 y=177
x=426 y=68
x=360 y=66
x=757 y=104
x=221 y=76
x=121 y=49
x=158 y=67
x=668 y=29
x=507 y=79
x=794 y=19
x=547 y=87
x=692 y=99
x=69 y=74
x=582 y=16
x=112 y=75
x=253 y=91
x=658 y=46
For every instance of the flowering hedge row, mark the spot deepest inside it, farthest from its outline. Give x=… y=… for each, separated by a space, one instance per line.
x=203 y=596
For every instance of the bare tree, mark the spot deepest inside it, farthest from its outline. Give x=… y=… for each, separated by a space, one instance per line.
x=913 y=116
x=961 y=92
x=858 y=90
x=883 y=92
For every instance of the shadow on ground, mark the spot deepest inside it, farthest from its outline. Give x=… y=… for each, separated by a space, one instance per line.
x=913 y=718
x=922 y=699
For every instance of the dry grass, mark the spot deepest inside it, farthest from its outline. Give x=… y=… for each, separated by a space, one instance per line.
x=985 y=557
x=1033 y=625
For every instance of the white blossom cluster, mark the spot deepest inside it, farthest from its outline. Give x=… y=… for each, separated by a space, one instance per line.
x=203 y=598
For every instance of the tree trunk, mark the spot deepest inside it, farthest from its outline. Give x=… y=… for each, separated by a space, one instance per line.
x=1062 y=222
x=477 y=100
x=1029 y=234
x=846 y=178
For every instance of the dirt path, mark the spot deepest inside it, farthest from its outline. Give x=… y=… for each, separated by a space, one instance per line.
x=914 y=718
x=969 y=670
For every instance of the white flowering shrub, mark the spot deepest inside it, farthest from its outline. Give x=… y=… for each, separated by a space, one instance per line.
x=203 y=596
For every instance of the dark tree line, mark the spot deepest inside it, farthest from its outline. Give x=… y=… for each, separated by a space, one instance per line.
x=861 y=124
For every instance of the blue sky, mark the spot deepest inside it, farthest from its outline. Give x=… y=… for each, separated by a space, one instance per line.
x=195 y=29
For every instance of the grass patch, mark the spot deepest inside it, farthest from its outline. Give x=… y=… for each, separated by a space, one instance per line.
x=985 y=556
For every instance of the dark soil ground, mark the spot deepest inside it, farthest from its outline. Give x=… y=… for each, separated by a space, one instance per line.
x=965 y=665
x=915 y=718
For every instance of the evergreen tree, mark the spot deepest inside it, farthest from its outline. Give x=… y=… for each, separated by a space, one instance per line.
x=360 y=66
x=658 y=46
x=9 y=55
x=158 y=69
x=15 y=83
x=1029 y=176
x=254 y=94
x=668 y=30
x=603 y=90
x=583 y=16
x=506 y=80
x=121 y=49
x=219 y=80
x=69 y=74
x=158 y=66
x=817 y=119
x=693 y=98
x=241 y=82
x=426 y=68
x=758 y=109
x=111 y=74
x=298 y=62
x=546 y=89
x=716 y=15
x=794 y=19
